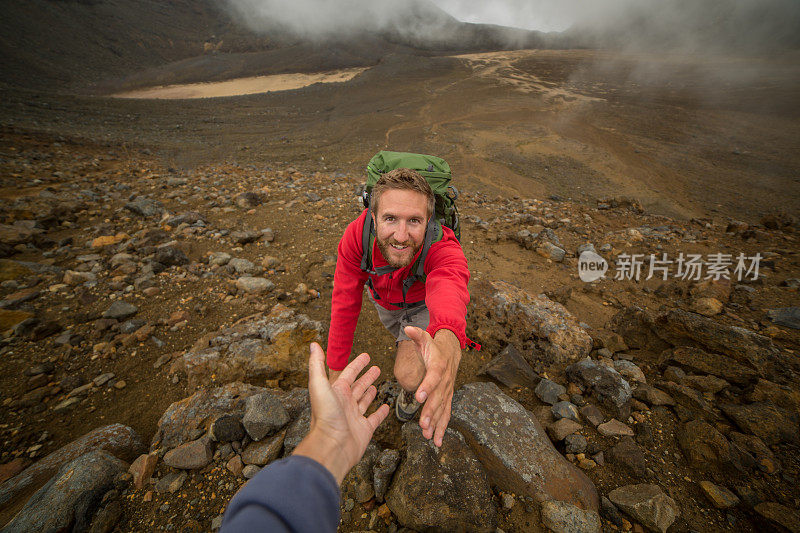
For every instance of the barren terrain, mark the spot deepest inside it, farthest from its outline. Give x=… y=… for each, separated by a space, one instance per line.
x=632 y=153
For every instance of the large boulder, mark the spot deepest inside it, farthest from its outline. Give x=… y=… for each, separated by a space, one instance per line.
x=359 y=482
x=514 y=448
x=606 y=384
x=440 y=489
x=184 y=419
x=511 y=369
x=706 y=448
x=765 y=420
x=69 y=500
x=255 y=348
x=524 y=319
x=702 y=362
x=117 y=439
x=679 y=327
x=636 y=327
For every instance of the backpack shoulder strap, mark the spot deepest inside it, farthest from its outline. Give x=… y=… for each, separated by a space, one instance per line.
x=366 y=243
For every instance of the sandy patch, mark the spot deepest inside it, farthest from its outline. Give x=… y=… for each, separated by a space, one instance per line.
x=240 y=86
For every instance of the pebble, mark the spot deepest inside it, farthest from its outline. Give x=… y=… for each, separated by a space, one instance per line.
x=253 y=285
x=508 y=500
x=549 y=391
x=250 y=471
x=565 y=410
x=102 y=379
x=721 y=497
x=120 y=310
x=615 y=428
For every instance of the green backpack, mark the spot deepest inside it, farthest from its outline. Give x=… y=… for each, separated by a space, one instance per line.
x=436 y=172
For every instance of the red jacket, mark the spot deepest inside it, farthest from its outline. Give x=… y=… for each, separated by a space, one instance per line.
x=444 y=291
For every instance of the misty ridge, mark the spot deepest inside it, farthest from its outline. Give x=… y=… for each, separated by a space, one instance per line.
x=681 y=26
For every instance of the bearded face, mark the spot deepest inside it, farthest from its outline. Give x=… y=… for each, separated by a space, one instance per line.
x=400 y=225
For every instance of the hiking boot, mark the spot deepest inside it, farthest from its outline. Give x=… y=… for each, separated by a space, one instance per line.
x=406 y=406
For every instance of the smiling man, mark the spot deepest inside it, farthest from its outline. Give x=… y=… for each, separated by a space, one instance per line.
x=427 y=317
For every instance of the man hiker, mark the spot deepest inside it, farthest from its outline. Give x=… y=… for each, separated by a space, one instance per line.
x=427 y=317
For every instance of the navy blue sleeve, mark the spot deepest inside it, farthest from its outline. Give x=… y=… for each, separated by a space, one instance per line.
x=294 y=494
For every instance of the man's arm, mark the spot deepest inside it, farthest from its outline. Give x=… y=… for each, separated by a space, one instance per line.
x=446 y=296
x=348 y=286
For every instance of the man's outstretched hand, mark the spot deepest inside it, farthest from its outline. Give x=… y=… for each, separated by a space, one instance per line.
x=441 y=356
x=339 y=430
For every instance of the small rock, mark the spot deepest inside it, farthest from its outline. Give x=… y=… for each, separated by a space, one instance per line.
x=629 y=371
x=102 y=379
x=142 y=469
x=250 y=471
x=646 y=504
x=170 y=256
x=629 y=456
x=235 y=465
x=120 y=310
x=508 y=500
x=615 y=428
x=265 y=451
x=248 y=200
x=780 y=514
x=384 y=467
x=254 y=285
x=787 y=316
x=721 y=497
x=171 y=482
x=241 y=266
x=562 y=517
x=575 y=443
x=245 y=237
x=549 y=391
x=707 y=306
x=592 y=414
x=218 y=258
x=565 y=410
x=264 y=415
x=561 y=428
x=227 y=428
x=189 y=456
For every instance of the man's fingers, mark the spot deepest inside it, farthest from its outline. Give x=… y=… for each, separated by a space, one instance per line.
x=429 y=409
x=363 y=383
x=377 y=417
x=366 y=399
x=433 y=376
x=352 y=370
x=441 y=426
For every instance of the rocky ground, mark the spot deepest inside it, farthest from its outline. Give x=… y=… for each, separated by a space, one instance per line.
x=158 y=319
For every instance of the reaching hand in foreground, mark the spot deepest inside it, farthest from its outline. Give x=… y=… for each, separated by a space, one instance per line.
x=441 y=356
x=339 y=430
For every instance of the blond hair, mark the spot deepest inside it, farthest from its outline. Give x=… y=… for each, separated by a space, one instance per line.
x=402 y=179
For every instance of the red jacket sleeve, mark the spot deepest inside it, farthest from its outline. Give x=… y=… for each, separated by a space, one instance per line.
x=446 y=293
x=348 y=287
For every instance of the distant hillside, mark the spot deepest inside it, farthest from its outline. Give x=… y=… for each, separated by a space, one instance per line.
x=75 y=45
x=69 y=43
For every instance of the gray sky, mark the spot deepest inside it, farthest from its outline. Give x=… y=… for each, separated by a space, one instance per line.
x=688 y=25
x=542 y=15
